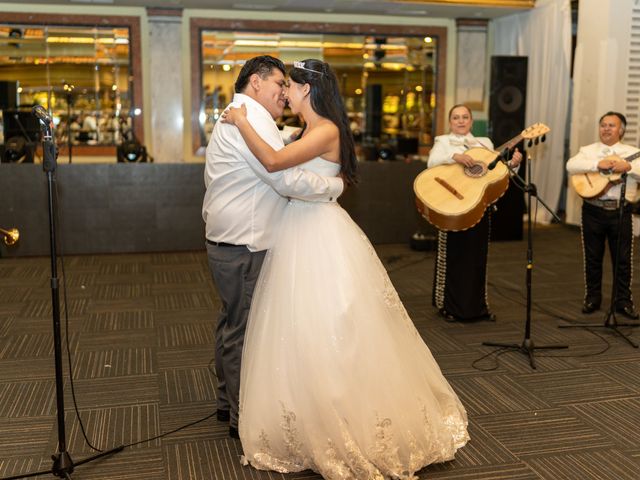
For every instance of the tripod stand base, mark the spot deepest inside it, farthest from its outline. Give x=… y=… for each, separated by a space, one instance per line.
x=63 y=466
x=526 y=347
x=610 y=323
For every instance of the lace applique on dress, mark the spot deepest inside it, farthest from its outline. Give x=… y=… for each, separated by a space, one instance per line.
x=457 y=424
x=391 y=298
x=351 y=464
x=454 y=433
x=334 y=467
x=291 y=441
x=295 y=461
x=385 y=450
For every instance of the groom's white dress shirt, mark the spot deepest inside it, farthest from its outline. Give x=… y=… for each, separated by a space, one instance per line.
x=244 y=203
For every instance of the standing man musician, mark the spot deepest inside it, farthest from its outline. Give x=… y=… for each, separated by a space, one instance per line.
x=601 y=218
x=242 y=209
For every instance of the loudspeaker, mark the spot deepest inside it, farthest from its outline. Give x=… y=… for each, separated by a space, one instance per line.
x=8 y=94
x=507 y=105
x=373 y=111
x=508 y=98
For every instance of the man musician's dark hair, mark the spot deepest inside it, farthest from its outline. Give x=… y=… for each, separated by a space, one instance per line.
x=263 y=65
x=623 y=120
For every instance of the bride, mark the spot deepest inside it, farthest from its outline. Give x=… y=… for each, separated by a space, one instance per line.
x=335 y=378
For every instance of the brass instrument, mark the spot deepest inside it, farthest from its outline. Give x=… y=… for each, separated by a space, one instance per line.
x=11 y=236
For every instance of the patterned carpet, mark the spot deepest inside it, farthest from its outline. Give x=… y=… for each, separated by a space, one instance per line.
x=140 y=331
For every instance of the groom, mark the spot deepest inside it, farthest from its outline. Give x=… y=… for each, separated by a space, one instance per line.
x=242 y=208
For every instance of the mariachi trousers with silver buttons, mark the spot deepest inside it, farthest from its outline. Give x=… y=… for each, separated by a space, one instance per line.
x=460 y=277
x=601 y=226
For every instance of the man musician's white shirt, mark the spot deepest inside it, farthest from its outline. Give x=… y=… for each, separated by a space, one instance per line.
x=244 y=203
x=586 y=160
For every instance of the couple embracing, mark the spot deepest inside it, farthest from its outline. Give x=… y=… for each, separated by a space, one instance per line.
x=335 y=378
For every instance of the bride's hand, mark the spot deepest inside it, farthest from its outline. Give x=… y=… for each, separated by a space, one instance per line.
x=234 y=115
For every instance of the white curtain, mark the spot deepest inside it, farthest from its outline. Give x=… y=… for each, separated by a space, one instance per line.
x=543 y=34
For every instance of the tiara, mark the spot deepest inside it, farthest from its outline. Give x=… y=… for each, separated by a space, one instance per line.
x=301 y=66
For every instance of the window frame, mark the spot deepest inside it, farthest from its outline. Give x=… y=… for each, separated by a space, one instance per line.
x=135 y=59
x=197 y=25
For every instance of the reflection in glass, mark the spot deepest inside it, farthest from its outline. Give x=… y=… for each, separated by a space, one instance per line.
x=80 y=73
x=388 y=83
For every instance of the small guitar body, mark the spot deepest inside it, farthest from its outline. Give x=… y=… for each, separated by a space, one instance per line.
x=593 y=184
x=454 y=197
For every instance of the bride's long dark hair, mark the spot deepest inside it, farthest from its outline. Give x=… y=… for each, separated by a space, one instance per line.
x=327 y=102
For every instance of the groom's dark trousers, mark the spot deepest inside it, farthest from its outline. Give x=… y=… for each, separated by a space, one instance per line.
x=235 y=272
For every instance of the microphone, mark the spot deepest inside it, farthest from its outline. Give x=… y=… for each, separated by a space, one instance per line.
x=41 y=113
x=45 y=120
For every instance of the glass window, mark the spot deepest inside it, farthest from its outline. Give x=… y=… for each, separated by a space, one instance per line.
x=81 y=73
x=387 y=82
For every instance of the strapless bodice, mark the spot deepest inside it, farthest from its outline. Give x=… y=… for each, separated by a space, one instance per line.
x=322 y=167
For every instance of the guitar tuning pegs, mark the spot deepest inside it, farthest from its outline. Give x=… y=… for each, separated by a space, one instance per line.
x=544 y=137
x=529 y=143
x=537 y=140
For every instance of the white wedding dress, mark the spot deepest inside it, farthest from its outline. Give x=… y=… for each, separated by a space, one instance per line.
x=335 y=378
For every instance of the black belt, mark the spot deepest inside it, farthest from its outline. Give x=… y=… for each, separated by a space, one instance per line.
x=222 y=244
x=609 y=204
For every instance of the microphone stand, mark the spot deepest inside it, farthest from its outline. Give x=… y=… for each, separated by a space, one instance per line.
x=62 y=464
x=610 y=320
x=527 y=346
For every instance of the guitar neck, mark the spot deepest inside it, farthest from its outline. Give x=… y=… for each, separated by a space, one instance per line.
x=632 y=157
x=513 y=142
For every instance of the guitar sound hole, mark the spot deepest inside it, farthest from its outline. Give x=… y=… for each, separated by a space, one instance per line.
x=476 y=170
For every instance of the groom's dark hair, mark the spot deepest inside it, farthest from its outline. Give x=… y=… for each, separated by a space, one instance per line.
x=262 y=65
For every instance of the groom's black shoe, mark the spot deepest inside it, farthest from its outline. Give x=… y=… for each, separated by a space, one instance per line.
x=233 y=433
x=223 y=415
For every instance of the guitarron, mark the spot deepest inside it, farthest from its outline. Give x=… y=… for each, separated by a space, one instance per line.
x=454 y=197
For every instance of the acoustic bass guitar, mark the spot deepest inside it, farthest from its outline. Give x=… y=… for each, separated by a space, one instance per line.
x=593 y=184
x=454 y=197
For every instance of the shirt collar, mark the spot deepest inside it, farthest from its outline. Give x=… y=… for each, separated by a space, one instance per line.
x=609 y=149
x=455 y=139
x=240 y=98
